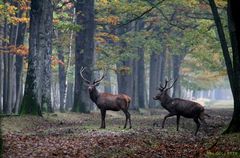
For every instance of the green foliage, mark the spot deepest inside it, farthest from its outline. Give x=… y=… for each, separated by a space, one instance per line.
x=183 y=27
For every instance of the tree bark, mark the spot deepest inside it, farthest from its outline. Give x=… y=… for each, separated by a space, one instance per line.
x=234 y=31
x=177 y=60
x=233 y=64
x=141 y=79
x=69 y=96
x=153 y=81
x=1 y=67
x=37 y=94
x=19 y=65
x=84 y=53
x=6 y=109
x=61 y=78
x=107 y=85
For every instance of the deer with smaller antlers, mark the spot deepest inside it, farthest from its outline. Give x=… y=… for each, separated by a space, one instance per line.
x=108 y=101
x=179 y=107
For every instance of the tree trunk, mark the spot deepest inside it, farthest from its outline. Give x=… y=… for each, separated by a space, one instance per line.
x=11 y=69
x=38 y=93
x=19 y=65
x=124 y=77
x=47 y=51
x=234 y=64
x=153 y=81
x=107 y=85
x=234 y=31
x=177 y=59
x=1 y=68
x=62 y=79
x=6 y=109
x=161 y=70
x=134 y=80
x=141 y=79
x=84 y=53
x=69 y=96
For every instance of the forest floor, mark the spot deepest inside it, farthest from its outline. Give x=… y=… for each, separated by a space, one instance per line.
x=78 y=135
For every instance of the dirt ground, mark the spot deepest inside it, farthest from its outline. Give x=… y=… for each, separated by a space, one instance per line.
x=78 y=135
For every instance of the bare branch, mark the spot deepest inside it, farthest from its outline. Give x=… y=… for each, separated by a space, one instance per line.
x=138 y=16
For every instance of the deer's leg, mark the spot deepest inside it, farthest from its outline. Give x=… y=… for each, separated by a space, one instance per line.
x=198 y=124
x=202 y=119
x=127 y=117
x=178 y=119
x=168 y=115
x=103 y=114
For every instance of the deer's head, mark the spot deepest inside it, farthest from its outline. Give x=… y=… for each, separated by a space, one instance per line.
x=163 y=90
x=91 y=85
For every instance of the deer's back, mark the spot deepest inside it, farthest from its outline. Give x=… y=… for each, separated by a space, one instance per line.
x=187 y=108
x=113 y=101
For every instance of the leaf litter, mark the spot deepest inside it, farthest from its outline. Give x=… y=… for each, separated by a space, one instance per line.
x=78 y=135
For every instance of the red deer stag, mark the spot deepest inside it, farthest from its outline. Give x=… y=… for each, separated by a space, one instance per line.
x=107 y=101
x=179 y=107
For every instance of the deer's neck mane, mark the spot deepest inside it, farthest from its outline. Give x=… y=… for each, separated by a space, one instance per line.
x=94 y=94
x=166 y=100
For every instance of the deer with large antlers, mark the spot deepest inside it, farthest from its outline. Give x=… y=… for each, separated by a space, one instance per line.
x=179 y=107
x=107 y=101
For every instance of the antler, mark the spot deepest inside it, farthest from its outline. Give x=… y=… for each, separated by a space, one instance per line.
x=98 y=80
x=172 y=84
x=81 y=71
x=161 y=88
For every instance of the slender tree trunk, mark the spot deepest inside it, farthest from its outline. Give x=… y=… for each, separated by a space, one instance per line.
x=6 y=109
x=124 y=77
x=84 y=53
x=69 y=96
x=162 y=68
x=107 y=85
x=69 y=64
x=1 y=67
x=134 y=93
x=11 y=73
x=62 y=79
x=153 y=81
x=177 y=59
x=1 y=82
x=19 y=65
x=141 y=79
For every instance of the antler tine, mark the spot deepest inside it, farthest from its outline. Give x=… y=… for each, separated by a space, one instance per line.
x=99 y=80
x=161 y=88
x=81 y=71
x=166 y=82
x=172 y=84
